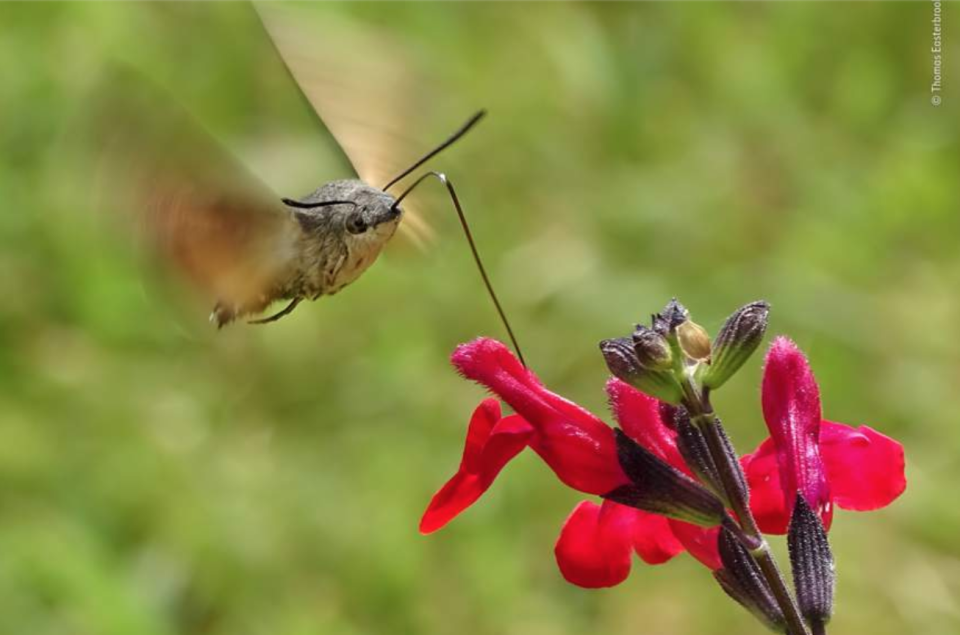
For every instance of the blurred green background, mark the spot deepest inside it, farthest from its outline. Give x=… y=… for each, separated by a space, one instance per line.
x=158 y=477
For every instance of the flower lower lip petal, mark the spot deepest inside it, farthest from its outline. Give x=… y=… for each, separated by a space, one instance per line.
x=595 y=547
x=865 y=468
x=491 y=443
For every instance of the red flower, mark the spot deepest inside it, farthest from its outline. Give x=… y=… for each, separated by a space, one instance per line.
x=828 y=462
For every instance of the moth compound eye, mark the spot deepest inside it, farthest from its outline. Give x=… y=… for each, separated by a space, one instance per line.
x=356 y=224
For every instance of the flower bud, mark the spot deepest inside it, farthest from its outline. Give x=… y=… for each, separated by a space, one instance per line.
x=672 y=316
x=740 y=336
x=653 y=351
x=814 y=575
x=621 y=358
x=659 y=488
x=741 y=578
x=668 y=414
x=694 y=341
x=695 y=450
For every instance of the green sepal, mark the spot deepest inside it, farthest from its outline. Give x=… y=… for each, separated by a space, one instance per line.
x=621 y=358
x=739 y=337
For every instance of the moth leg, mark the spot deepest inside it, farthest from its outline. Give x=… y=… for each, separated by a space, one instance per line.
x=276 y=316
x=222 y=315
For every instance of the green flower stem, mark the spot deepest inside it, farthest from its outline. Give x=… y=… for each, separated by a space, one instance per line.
x=818 y=628
x=701 y=412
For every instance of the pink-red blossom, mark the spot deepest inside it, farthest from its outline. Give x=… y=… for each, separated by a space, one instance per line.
x=829 y=463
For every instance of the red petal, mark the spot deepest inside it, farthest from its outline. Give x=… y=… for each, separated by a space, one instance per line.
x=866 y=468
x=456 y=495
x=766 y=495
x=595 y=545
x=578 y=446
x=488 y=449
x=791 y=408
x=485 y=416
x=653 y=539
x=639 y=416
x=699 y=541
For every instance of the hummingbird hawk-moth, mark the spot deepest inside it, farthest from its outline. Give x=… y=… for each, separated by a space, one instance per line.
x=240 y=244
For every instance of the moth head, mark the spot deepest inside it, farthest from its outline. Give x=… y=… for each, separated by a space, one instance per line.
x=359 y=212
x=374 y=214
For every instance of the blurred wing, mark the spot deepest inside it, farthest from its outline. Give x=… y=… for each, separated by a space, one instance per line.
x=197 y=205
x=362 y=85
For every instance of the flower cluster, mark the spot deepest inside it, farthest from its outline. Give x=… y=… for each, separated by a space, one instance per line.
x=662 y=474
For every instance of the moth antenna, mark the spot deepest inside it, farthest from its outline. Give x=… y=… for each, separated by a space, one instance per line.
x=466 y=231
x=440 y=148
x=292 y=203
